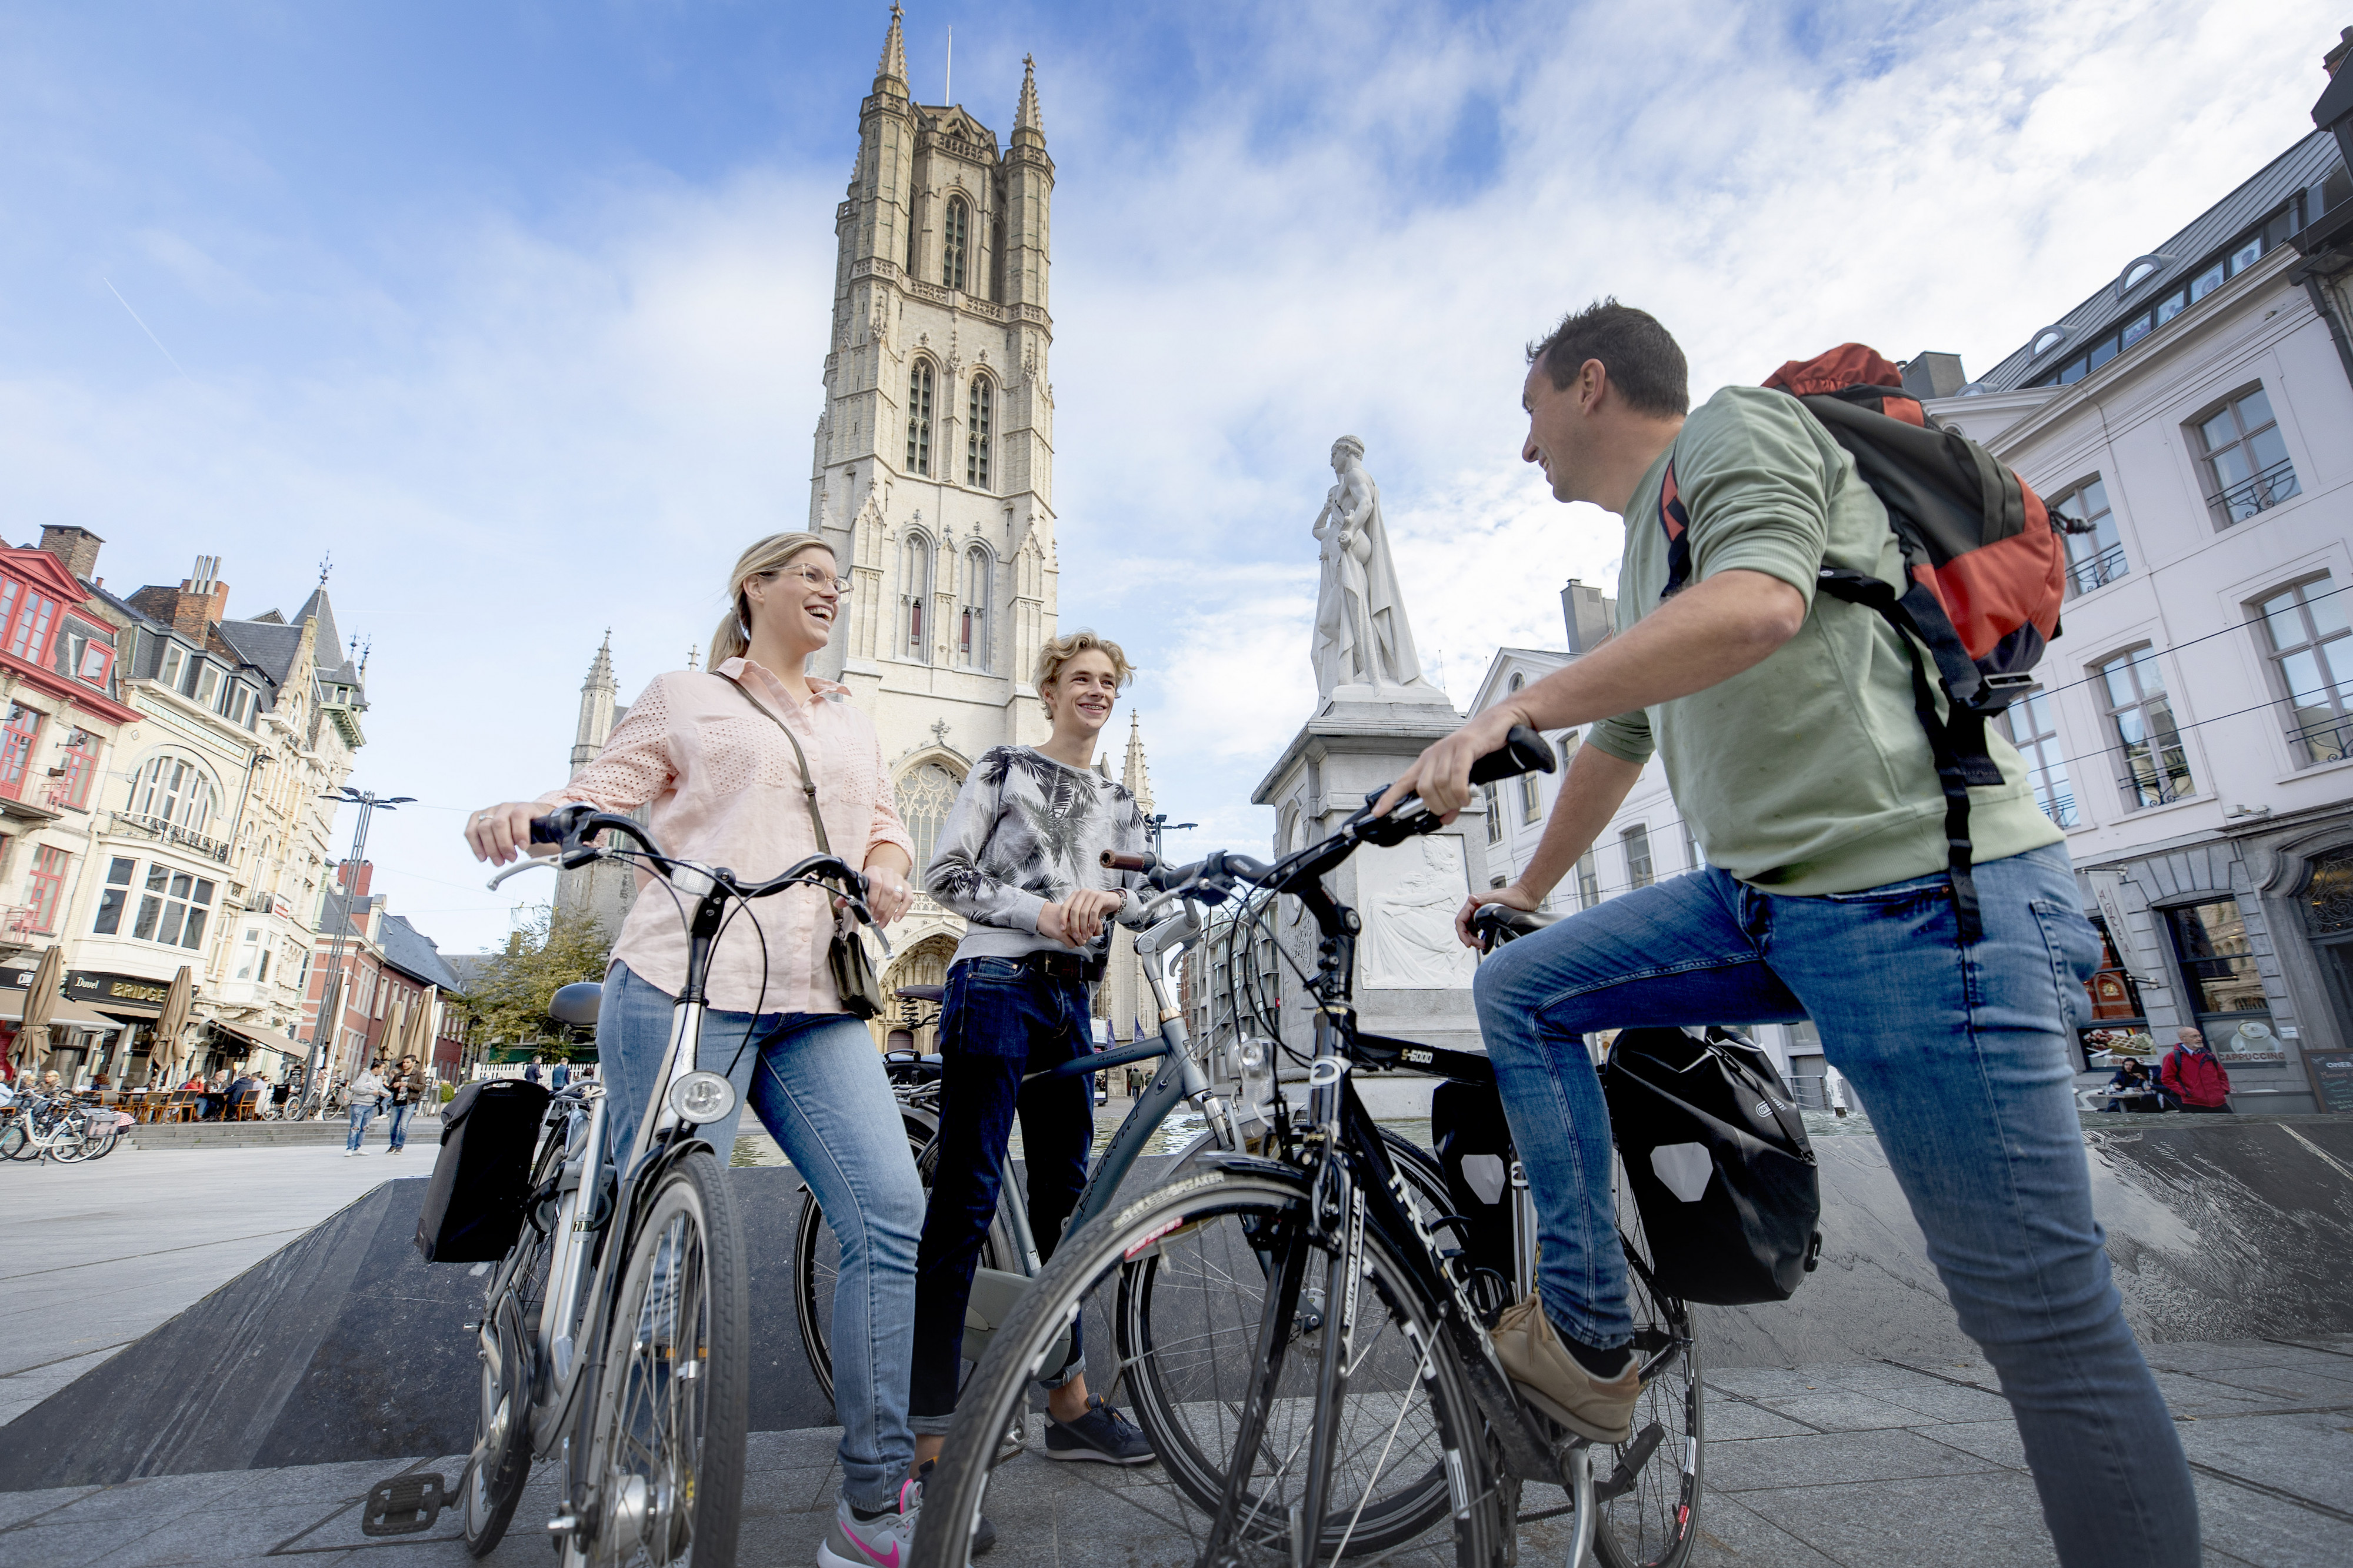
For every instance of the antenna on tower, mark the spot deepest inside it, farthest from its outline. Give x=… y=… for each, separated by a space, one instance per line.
x=366 y=648
x=693 y=649
x=326 y=565
x=948 y=76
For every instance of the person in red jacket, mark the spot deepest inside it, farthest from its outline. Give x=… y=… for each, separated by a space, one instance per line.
x=2192 y=1076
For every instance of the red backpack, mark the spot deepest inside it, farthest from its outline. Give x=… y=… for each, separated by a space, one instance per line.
x=1985 y=566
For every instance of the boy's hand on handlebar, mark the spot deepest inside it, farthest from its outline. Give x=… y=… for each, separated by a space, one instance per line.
x=887 y=894
x=1513 y=897
x=1441 y=775
x=1078 y=919
x=499 y=833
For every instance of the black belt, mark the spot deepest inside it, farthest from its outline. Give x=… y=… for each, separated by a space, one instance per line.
x=1063 y=965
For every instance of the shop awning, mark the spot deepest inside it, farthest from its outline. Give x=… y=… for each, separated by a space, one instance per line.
x=74 y=1014
x=261 y=1038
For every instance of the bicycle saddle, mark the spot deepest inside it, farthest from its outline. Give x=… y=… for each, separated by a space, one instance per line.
x=923 y=993
x=1492 y=924
x=576 y=1004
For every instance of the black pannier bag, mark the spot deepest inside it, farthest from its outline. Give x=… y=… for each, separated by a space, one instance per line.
x=473 y=1208
x=1474 y=1146
x=1723 y=1175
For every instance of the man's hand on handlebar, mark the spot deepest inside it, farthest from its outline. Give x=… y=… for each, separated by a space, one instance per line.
x=1441 y=775
x=1513 y=897
x=499 y=833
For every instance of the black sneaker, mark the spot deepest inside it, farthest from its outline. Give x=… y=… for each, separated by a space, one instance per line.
x=985 y=1536
x=1102 y=1435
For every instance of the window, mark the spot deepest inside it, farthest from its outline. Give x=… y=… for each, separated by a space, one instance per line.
x=2032 y=730
x=45 y=886
x=954 y=237
x=251 y=955
x=1636 y=841
x=116 y=893
x=1494 y=813
x=16 y=747
x=2247 y=457
x=2094 y=558
x=1517 y=683
x=975 y=435
x=1568 y=744
x=173 y=790
x=2241 y=254
x=173 y=907
x=207 y=685
x=34 y=616
x=2141 y=717
x=919 y=417
x=235 y=701
x=87 y=660
x=1588 y=881
x=972 y=637
x=80 y=762
x=2218 y=966
x=925 y=796
x=2311 y=660
x=1531 y=799
x=916 y=591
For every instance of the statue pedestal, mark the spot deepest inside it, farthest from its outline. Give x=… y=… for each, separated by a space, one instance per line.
x=1413 y=977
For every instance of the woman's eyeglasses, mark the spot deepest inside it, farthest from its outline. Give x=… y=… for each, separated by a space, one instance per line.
x=817 y=579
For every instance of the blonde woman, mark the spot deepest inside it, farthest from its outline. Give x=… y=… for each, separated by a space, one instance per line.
x=709 y=751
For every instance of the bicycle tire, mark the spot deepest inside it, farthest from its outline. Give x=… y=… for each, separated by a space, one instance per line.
x=1655 y=1521
x=15 y=1143
x=75 y=1148
x=1229 y=1213
x=664 y=1470
x=500 y=1462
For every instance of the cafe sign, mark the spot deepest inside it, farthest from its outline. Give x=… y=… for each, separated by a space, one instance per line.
x=97 y=987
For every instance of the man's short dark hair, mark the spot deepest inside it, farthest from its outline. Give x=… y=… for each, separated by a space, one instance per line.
x=1644 y=363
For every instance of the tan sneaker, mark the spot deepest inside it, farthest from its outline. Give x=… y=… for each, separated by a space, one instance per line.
x=1549 y=1378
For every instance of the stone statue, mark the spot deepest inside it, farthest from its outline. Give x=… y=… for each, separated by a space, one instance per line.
x=1410 y=895
x=1361 y=636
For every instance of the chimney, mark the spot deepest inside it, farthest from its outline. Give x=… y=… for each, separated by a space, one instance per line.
x=77 y=547
x=357 y=884
x=2335 y=57
x=1928 y=375
x=1589 y=614
x=203 y=599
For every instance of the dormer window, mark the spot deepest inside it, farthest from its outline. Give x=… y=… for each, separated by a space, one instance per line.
x=2048 y=338
x=2139 y=271
x=206 y=686
x=176 y=660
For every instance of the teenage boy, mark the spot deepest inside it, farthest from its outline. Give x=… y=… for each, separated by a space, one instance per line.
x=1785 y=721
x=1020 y=859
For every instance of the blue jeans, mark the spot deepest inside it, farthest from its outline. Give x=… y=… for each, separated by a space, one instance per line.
x=362 y=1109
x=817 y=1083
x=999 y=1020
x=1960 y=1056
x=400 y=1115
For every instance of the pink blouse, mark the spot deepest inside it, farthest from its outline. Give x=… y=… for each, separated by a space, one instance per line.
x=725 y=791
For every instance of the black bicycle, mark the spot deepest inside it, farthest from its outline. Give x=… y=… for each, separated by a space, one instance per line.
x=1323 y=1384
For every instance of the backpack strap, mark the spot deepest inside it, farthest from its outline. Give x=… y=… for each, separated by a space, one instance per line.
x=1675 y=524
x=808 y=785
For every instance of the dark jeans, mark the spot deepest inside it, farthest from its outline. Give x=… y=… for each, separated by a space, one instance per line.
x=999 y=1020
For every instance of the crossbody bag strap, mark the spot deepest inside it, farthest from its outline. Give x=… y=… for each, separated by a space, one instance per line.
x=808 y=785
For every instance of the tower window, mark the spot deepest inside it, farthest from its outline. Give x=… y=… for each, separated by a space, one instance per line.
x=919 y=417
x=952 y=257
x=973 y=636
x=976 y=438
x=914 y=591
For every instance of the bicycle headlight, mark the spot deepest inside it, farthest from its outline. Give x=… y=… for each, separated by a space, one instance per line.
x=1251 y=1054
x=700 y=1097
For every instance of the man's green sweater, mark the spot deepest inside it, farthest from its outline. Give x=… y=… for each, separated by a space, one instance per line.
x=1808 y=773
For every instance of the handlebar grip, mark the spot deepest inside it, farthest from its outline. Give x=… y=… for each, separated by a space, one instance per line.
x=546 y=830
x=1523 y=752
x=1116 y=862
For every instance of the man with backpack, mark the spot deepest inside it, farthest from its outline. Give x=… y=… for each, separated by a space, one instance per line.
x=1875 y=862
x=2193 y=1078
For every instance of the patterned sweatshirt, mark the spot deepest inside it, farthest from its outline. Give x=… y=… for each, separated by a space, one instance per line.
x=1028 y=831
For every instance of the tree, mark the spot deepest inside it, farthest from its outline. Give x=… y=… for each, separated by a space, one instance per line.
x=551 y=948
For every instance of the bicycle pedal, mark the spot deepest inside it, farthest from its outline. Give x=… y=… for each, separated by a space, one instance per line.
x=404 y=1505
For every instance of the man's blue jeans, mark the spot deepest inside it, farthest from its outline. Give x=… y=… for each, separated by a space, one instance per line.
x=400 y=1115
x=817 y=1083
x=1961 y=1059
x=362 y=1109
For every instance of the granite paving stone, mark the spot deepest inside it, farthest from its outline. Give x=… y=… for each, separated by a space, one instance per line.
x=2310 y=1456
x=2259 y=1528
x=1995 y=1441
x=1734 y=1535
x=1832 y=1458
x=1933 y=1521
x=24 y=1508
x=1727 y=1420
x=1941 y=1402
x=1843 y=1410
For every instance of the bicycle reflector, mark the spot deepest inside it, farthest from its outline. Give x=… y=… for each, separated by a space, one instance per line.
x=702 y=1097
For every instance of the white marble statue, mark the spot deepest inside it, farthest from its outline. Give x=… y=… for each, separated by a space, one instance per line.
x=1410 y=894
x=1361 y=636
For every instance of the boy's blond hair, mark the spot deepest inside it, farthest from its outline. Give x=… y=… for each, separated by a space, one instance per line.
x=1062 y=650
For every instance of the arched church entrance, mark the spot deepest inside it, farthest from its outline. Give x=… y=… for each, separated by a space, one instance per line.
x=906 y=1022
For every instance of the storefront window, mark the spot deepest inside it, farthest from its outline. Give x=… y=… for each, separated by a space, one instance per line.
x=2218 y=966
x=2329 y=919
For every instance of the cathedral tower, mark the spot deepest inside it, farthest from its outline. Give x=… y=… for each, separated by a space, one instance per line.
x=606 y=889
x=933 y=474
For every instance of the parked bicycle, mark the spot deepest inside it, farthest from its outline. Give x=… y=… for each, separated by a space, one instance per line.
x=61 y=1127
x=616 y=1336
x=1308 y=1345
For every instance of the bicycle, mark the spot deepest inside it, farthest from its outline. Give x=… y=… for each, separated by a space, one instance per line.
x=1328 y=1420
x=615 y=1334
x=57 y=1127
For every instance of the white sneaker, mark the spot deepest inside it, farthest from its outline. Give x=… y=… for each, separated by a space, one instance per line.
x=351 y=1154
x=886 y=1541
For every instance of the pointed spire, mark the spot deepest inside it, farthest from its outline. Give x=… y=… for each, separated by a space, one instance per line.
x=1136 y=775
x=893 y=67
x=600 y=669
x=1025 y=116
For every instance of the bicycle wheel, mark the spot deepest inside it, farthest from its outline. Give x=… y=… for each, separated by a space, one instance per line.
x=1190 y=1265
x=1649 y=1517
x=15 y=1143
x=662 y=1445
x=501 y=1460
x=74 y=1144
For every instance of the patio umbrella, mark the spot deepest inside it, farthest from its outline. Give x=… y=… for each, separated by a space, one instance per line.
x=40 y=1004
x=417 y=1032
x=174 y=1021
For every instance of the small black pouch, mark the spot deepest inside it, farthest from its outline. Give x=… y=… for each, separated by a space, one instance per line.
x=1475 y=1147
x=473 y=1206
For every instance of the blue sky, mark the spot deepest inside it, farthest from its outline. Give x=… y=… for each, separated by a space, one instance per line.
x=519 y=309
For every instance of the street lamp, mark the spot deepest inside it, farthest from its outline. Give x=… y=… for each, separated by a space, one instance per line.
x=331 y=993
x=1158 y=824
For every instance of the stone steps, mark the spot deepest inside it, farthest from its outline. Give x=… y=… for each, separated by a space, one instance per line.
x=270 y=1134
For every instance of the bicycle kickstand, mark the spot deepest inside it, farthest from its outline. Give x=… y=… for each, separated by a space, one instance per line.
x=1577 y=1475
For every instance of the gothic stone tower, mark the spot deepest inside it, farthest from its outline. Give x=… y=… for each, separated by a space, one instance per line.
x=934 y=466
x=606 y=889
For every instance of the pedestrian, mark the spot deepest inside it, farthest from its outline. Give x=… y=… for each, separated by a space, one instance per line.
x=755 y=763
x=366 y=1092
x=2194 y=1080
x=404 y=1092
x=531 y=1073
x=560 y=1076
x=1035 y=905
x=1787 y=722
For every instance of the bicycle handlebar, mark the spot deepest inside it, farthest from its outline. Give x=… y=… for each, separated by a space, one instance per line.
x=569 y=825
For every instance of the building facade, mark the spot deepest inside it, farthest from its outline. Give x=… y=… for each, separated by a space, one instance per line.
x=398 y=995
